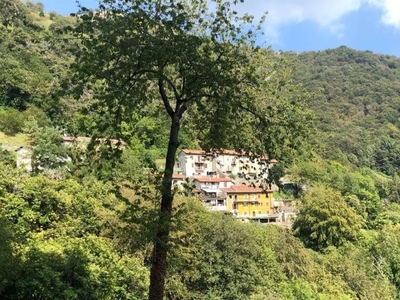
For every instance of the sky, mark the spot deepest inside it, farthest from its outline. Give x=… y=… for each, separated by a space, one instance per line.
x=311 y=25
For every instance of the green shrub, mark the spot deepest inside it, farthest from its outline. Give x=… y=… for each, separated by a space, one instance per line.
x=11 y=121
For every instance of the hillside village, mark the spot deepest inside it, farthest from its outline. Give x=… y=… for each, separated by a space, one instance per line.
x=226 y=181
x=231 y=182
x=86 y=217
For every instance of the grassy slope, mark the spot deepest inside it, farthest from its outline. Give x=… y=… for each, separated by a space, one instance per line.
x=12 y=142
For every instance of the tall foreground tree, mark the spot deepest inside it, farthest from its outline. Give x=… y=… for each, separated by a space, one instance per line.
x=191 y=55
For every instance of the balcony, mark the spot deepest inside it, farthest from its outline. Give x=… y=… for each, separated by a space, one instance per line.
x=215 y=203
x=210 y=188
x=218 y=208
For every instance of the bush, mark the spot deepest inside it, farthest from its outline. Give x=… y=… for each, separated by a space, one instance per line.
x=52 y=15
x=11 y=121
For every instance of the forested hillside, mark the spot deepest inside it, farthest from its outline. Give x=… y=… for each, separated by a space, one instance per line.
x=357 y=106
x=82 y=222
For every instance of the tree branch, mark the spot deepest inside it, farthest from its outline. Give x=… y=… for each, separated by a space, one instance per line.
x=251 y=111
x=197 y=96
x=164 y=97
x=176 y=94
x=182 y=109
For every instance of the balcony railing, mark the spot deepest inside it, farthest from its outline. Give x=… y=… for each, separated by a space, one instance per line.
x=218 y=208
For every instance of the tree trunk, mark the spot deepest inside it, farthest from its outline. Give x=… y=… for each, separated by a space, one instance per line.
x=159 y=260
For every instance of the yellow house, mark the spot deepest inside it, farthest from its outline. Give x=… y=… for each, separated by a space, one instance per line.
x=249 y=202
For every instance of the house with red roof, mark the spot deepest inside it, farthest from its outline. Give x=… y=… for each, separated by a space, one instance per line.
x=251 y=203
x=223 y=162
x=195 y=162
x=177 y=180
x=210 y=189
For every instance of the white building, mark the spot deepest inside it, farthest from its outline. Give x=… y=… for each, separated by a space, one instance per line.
x=195 y=162
x=200 y=163
x=177 y=180
x=210 y=189
x=24 y=160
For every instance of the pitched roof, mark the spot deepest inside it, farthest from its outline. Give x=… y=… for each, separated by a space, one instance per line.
x=212 y=179
x=202 y=152
x=193 y=151
x=224 y=151
x=177 y=176
x=245 y=189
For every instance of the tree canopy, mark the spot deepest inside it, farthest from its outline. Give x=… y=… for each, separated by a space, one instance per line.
x=195 y=58
x=84 y=225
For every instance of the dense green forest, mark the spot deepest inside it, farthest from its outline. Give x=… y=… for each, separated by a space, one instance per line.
x=81 y=225
x=357 y=107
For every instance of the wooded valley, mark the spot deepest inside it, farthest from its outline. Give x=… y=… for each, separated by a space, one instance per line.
x=145 y=79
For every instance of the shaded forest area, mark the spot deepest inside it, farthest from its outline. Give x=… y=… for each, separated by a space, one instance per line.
x=84 y=228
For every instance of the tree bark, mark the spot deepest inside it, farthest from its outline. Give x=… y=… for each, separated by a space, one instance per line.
x=159 y=261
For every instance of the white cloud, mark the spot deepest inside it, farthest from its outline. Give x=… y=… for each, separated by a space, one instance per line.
x=326 y=14
x=391 y=11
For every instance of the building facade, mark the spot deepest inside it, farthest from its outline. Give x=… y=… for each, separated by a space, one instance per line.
x=226 y=162
x=249 y=202
x=211 y=191
x=194 y=162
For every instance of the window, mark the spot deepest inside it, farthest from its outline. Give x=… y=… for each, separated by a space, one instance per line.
x=253 y=197
x=245 y=214
x=259 y=212
x=244 y=204
x=259 y=196
x=254 y=213
x=246 y=196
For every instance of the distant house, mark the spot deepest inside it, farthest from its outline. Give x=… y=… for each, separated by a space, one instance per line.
x=250 y=203
x=194 y=162
x=224 y=162
x=211 y=191
x=24 y=158
x=177 y=180
x=211 y=182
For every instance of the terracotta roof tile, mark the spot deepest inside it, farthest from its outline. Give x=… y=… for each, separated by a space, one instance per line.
x=244 y=189
x=212 y=179
x=177 y=176
x=223 y=151
x=192 y=151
